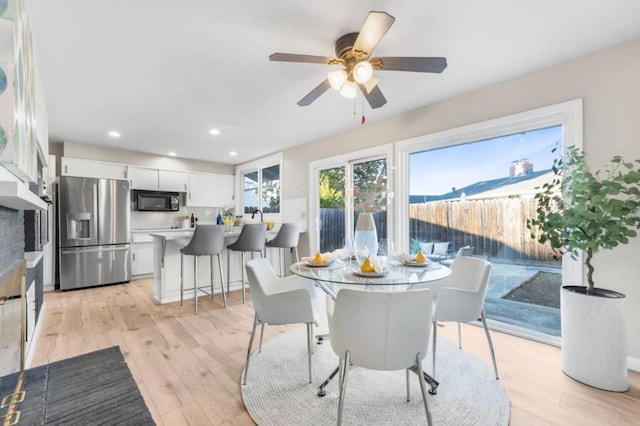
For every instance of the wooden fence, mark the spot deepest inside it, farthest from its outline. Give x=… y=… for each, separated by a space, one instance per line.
x=493 y=227
x=332 y=229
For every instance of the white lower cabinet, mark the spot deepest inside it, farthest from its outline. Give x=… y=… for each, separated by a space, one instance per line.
x=141 y=258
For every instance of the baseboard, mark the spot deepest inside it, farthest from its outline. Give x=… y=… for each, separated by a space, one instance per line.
x=36 y=336
x=633 y=364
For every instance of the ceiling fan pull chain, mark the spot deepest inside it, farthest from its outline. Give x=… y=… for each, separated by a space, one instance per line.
x=362 y=121
x=354 y=108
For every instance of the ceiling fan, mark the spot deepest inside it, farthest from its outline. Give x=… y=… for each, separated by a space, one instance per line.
x=353 y=53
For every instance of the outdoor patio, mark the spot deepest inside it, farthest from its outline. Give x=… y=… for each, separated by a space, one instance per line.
x=508 y=276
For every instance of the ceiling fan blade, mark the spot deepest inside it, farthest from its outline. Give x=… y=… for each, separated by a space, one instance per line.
x=372 y=31
x=374 y=96
x=415 y=64
x=293 y=57
x=315 y=93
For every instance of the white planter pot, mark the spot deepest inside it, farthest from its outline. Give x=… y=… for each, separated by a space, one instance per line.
x=594 y=338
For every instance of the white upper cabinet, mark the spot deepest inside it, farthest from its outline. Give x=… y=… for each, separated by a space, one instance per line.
x=143 y=178
x=158 y=180
x=171 y=180
x=209 y=189
x=92 y=169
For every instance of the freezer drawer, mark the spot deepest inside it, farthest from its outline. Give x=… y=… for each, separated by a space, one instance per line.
x=91 y=266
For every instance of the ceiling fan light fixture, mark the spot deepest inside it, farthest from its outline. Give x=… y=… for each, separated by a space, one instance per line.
x=362 y=72
x=337 y=79
x=349 y=90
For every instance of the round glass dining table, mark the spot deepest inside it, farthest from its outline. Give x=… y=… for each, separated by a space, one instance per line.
x=346 y=274
x=333 y=277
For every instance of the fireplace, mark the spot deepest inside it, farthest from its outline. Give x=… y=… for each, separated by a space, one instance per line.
x=13 y=312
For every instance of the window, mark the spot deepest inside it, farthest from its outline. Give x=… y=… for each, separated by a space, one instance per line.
x=472 y=188
x=341 y=188
x=261 y=185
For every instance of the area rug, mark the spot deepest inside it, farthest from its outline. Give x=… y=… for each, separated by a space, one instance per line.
x=92 y=389
x=278 y=393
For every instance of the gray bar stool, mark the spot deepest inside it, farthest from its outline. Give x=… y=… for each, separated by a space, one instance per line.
x=252 y=238
x=207 y=240
x=287 y=237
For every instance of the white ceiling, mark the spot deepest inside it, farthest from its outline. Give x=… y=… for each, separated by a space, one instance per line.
x=164 y=72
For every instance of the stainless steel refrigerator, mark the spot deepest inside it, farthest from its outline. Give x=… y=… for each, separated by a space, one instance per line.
x=94 y=231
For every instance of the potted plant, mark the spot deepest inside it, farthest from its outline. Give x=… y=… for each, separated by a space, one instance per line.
x=582 y=212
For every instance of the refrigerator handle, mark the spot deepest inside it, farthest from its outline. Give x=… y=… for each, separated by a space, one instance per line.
x=96 y=216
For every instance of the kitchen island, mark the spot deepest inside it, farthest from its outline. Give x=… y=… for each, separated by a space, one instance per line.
x=166 y=264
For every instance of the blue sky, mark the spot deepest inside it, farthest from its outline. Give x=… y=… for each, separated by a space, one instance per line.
x=435 y=172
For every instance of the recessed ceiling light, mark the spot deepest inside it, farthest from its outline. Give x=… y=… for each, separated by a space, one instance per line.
x=172 y=154
x=114 y=134
x=214 y=131
x=233 y=153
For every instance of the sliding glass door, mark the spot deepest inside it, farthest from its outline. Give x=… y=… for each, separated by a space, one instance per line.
x=346 y=190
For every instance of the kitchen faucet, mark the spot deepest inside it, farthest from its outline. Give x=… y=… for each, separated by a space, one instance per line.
x=257 y=211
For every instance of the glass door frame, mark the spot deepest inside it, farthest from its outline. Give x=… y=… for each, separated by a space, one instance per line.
x=347 y=160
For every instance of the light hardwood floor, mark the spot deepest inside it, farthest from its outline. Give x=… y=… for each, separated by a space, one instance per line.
x=188 y=367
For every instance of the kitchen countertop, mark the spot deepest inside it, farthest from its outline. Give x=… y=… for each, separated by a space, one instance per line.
x=171 y=234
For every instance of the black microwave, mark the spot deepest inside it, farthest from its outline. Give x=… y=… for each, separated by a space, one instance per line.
x=155 y=201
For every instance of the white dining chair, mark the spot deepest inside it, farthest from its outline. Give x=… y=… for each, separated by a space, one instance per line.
x=380 y=331
x=460 y=298
x=278 y=301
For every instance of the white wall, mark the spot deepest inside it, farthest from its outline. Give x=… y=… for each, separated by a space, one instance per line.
x=607 y=81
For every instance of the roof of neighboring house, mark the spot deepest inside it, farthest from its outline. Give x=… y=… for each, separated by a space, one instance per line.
x=501 y=187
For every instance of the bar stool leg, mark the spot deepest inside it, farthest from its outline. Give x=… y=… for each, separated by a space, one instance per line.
x=228 y=272
x=181 y=277
x=281 y=261
x=242 y=266
x=211 y=269
x=195 y=285
x=224 y=295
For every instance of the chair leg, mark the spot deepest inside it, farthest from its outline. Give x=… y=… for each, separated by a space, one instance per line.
x=435 y=332
x=224 y=295
x=261 y=334
x=181 y=277
x=253 y=333
x=195 y=285
x=406 y=370
x=423 y=389
x=343 y=386
x=486 y=331
x=459 y=336
x=309 y=346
